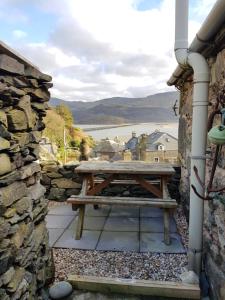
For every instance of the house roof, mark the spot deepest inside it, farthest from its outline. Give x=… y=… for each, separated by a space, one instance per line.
x=132 y=143
x=157 y=138
x=206 y=46
x=108 y=146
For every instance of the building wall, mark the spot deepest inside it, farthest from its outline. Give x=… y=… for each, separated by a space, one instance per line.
x=25 y=257
x=163 y=156
x=214 y=221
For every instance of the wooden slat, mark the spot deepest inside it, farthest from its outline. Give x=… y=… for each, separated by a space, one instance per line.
x=136 y=201
x=127 y=181
x=97 y=188
x=125 y=168
x=148 y=186
x=135 y=287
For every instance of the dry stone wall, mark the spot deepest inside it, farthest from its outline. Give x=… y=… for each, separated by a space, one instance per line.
x=214 y=214
x=25 y=258
x=60 y=181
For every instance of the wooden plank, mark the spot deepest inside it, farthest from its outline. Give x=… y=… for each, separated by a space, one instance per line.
x=135 y=287
x=127 y=181
x=80 y=223
x=126 y=168
x=149 y=187
x=165 y=192
x=97 y=188
x=136 y=201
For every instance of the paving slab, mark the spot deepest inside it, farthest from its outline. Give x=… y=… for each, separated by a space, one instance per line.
x=156 y=225
x=118 y=241
x=90 y=223
x=54 y=221
x=123 y=211
x=102 y=211
x=154 y=242
x=62 y=210
x=121 y=224
x=54 y=234
x=88 y=240
x=151 y=212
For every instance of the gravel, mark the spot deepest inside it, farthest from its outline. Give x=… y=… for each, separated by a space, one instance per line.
x=154 y=266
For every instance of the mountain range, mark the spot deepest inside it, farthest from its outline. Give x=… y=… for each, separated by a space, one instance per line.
x=119 y=110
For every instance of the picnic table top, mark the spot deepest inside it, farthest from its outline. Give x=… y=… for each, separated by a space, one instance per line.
x=136 y=167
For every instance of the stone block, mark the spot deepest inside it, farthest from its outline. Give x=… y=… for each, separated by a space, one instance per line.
x=57 y=194
x=4 y=144
x=5 y=164
x=25 y=105
x=17 y=120
x=11 y=65
x=36 y=74
x=39 y=95
x=23 y=138
x=36 y=191
x=9 y=178
x=29 y=170
x=54 y=175
x=3 y=118
x=9 y=213
x=8 y=194
x=23 y=205
x=65 y=183
x=16 y=280
x=4 y=132
x=6 y=260
x=4 y=228
x=70 y=192
x=8 y=275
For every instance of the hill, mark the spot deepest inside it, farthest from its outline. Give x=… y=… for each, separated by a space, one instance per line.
x=116 y=110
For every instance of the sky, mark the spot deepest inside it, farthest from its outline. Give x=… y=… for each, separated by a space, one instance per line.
x=96 y=49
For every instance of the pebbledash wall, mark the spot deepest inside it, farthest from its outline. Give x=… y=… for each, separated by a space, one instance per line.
x=214 y=211
x=25 y=257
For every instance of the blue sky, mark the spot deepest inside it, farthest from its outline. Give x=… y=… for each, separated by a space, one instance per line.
x=98 y=48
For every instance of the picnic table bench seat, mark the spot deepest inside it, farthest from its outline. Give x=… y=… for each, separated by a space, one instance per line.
x=167 y=204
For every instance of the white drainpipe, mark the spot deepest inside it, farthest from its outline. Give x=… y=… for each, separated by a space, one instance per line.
x=200 y=67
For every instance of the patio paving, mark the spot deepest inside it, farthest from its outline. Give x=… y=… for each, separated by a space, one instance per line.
x=112 y=229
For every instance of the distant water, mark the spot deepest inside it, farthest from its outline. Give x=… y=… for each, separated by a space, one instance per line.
x=124 y=132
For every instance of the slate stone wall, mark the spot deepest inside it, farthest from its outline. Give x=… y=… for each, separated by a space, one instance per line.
x=60 y=181
x=214 y=215
x=25 y=258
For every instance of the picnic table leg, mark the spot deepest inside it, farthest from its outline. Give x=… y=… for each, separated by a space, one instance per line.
x=92 y=184
x=80 y=223
x=166 y=215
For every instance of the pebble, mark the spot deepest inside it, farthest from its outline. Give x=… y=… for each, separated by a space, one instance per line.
x=60 y=290
x=132 y=265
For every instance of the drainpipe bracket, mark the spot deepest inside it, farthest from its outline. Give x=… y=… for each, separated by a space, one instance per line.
x=194 y=251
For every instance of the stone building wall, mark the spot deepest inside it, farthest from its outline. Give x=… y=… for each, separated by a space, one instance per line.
x=214 y=214
x=163 y=156
x=25 y=257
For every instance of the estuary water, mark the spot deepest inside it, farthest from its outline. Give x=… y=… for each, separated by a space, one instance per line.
x=124 y=131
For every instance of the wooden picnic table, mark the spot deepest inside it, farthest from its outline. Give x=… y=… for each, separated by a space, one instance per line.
x=135 y=173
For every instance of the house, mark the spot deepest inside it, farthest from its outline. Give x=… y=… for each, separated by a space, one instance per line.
x=201 y=94
x=160 y=147
x=132 y=146
x=108 y=149
x=155 y=147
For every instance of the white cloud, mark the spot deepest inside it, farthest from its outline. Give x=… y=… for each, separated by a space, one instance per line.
x=19 y=34
x=107 y=48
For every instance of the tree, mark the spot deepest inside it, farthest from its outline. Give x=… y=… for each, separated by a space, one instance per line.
x=66 y=114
